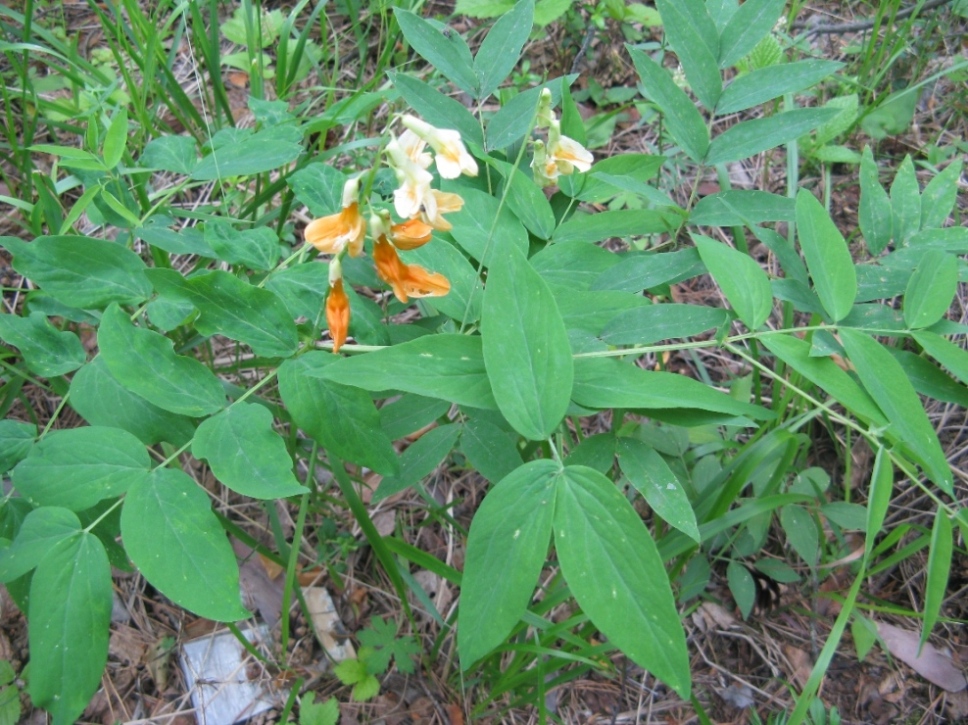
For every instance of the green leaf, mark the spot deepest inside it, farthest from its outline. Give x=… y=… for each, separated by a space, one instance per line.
x=751 y=22
x=256 y=154
x=485 y=229
x=189 y=240
x=451 y=59
x=501 y=49
x=77 y=467
x=748 y=138
x=70 y=612
x=693 y=35
x=319 y=187
x=765 y=84
x=445 y=366
x=627 y=172
x=81 y=271
x=573 y=265
x=940 y=195
x=145 y=363
x=526 y=200
x=596 y=451
x=615 y=572
x=102 y=401
x=526 y=347
x=685 y=124
x=646 y=324
x=874 y=213
x=652 y=477
x=879 y=497
x=947 y=353
x=938 y=571
x=605 y=383
x=517 y=116
x=742 y=280
x=506 y=549
x=621 y=223
x=419 y=460
x=47 y=351
x=905 y=203
x=637 y=271
x=246 y=454
x=176 y=541
x=491 y=451
x=16 y=439
x=931 y=289
x=885 y=380
x=463 y=302
x=611 y=313
x=41 y=530
x=170 y=153
x=341 y=418
x=301 y=288
x=443 y=111
x=742 y=587
x=828 y=258
x=322 y=713
x=256 y=248
x=824 y=372
x=801 y=531
x=741 y=206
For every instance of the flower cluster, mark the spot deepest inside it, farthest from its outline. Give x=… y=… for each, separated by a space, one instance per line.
x=562 y=155
x=421 y=207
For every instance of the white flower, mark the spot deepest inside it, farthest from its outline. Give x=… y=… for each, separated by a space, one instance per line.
x=567 y=153
x=414 y=191
x=452 y=157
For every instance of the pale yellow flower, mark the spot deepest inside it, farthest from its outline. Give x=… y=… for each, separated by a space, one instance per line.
x=567 y=154
x=451 y=155
x=414 y=192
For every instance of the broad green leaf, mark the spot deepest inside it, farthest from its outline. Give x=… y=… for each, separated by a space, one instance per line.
x=41 y=530
x=491 y=451
x=16 y=439
x=506 y=548
x=501 y=49
x=445 y=366
x=604 y=383
x=874 y=214
x=879 y=496
x=611 y=312
x=742 y=280
x=928 y=379
x=485 y=229
x=646 y=324
x=692 y=34
x=748 y=138
x=450 y=58
x=145 y=363
x=950 y=239
x=848 y=516
x=596 y=451
x=825 y=373
x=116 y=138
x=77 y=467
x=620 y=223
x=256 y=248
x=637 y=271
x=70 y=612
x=526 y=200
x=410 y=413
x=573 y=265
x=614 y=570
x=652 y=477
x=940 y=195
x=905 y=203
x=938 y=571
x=47 y=351
x=685 y=123
x=846 y=115
x=256 y=154
x=319 y=187
x=885 y=380
x=517 y=116
x=441 y=110
x=545 y=11
x=954 y=358
x=241 y=311
x=170 y=153
x=931 y=289
x=801 y=532
x=742 y=587
x=881 y=281
x=178 y=544
x=81 y=271
x=302 y=288
x=419 y=460
x=751 y=22
x=526 y=349
x=102 y=401
x=189 y=240
x=740 y=206
x=463 y=302
x=764 y=84
x=341 y=418
x=627 y=172
x=827 y=255
x=246 y=454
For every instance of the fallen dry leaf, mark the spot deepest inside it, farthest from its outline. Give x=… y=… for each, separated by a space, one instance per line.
x=800 y=662
x=932 y=665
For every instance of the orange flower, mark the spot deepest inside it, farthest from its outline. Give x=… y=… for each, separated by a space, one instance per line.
x=407 y=280
x=410 y=234
x=331 y=234
x=337 y=307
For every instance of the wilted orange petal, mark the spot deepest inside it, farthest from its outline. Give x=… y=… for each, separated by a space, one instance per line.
x=389 y=267
x=338 y=314
x=421 y=283
x=330 y=234
x=410 y=234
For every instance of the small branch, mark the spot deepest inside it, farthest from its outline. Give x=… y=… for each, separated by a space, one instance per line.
x=864 y=24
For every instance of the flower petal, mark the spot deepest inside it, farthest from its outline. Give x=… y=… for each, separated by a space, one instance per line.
x=338 y=314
